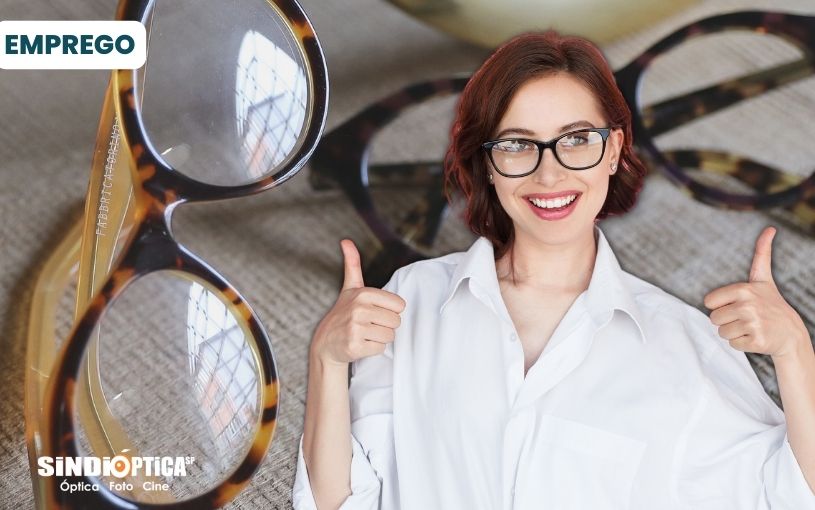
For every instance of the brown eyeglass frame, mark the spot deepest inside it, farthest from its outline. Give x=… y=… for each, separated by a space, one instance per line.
x=157 y=190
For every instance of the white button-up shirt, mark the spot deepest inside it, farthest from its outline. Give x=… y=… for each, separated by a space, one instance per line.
x=635 y=403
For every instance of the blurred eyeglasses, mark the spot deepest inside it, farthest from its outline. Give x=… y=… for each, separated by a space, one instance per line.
x=167 y=376
x=721 y=107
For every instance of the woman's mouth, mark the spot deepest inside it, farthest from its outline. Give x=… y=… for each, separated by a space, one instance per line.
x=553 y=208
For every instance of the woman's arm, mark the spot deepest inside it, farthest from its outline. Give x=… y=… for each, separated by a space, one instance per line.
x=360 y=324
x=327 y=432
x=795 y=371
x=755 y=317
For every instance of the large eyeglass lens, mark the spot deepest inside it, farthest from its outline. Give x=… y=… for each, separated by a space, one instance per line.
x=226 y=91
x=406 y=181
x=759 y=144
x=177 y=384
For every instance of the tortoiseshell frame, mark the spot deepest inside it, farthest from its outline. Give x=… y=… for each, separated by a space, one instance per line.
x=797 y=30
x=340 y=159
x=158 y=189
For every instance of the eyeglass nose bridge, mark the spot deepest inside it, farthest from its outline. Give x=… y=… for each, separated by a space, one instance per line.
x=561 y=169
x=542 y=146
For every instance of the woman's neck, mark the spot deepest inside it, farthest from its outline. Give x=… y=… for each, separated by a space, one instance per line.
x=532 y=264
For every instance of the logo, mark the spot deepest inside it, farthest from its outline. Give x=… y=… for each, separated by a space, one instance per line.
x=72 y=45
x=119 y=467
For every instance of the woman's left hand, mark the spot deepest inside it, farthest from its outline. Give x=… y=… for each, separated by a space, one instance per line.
x=754 y=316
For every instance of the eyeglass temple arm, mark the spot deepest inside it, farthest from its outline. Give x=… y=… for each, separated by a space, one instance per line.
x=666 y=115
x=55 y=276
x=337 y=159
x=759 y=177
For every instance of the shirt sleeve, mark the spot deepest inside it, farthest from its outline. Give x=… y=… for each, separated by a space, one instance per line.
x=734 y=450
x=373 y=464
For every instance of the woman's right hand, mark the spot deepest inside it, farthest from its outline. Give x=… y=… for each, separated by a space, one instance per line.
x=362 y=321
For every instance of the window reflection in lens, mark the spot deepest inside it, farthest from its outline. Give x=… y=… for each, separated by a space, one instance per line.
x=271 y=92
x=180 y=377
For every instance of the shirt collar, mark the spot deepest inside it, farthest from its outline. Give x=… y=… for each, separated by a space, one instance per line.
x=478 y=265
x=607 y=291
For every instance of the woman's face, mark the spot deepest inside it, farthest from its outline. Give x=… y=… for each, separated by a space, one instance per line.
x=542 y=109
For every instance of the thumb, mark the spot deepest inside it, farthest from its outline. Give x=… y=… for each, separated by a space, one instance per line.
x=353 y=269
x=761 y=270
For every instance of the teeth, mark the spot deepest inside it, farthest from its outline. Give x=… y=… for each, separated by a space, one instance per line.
x=553 y=203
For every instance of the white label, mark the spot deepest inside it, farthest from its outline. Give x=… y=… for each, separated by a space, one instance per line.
x=72 y=45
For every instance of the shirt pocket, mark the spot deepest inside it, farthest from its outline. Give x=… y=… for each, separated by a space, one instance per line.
x=570 y=465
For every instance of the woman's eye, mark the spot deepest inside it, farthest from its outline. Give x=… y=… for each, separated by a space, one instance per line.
x=575 y=140
x=514 y=146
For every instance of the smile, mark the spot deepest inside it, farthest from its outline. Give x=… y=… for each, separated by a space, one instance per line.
x=554 y=203
x=555 y=208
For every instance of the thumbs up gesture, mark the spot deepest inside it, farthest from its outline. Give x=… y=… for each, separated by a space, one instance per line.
x=362 y=321
x=753 y=316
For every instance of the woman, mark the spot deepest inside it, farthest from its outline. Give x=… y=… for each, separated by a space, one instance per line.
x=532 y=371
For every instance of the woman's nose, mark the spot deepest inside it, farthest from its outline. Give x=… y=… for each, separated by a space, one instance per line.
x=549 y=171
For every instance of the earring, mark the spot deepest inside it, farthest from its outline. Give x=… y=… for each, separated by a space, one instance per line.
x=489 y=177
x=613 y=167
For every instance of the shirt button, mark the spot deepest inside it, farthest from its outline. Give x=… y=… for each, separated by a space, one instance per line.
x=513 y=337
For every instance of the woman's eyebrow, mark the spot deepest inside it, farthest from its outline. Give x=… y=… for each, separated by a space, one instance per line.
x=526 y=132
x=514 y=131
x=576 y=125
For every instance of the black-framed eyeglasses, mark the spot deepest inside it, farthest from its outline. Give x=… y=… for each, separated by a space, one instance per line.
x=167 y=379
x=576 y=150
x=708 y=132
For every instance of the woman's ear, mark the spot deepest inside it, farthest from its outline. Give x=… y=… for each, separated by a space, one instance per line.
x=615 y=146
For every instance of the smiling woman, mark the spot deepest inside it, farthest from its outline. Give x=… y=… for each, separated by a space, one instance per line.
x=503 y=101
x=533 y=371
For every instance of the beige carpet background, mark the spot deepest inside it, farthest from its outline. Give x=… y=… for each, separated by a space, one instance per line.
x=280 y=247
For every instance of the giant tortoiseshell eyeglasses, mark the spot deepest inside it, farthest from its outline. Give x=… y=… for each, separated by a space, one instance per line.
x=721 y=107
x=165 y=391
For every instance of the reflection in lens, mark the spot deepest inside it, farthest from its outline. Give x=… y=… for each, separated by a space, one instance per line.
x=755 y=145
x=227 y=81
x=405 y=177
x=514 y=157
x=581 y=149
x=271 y=103
x=179 y=380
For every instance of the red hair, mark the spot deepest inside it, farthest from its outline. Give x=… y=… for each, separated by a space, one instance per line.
x=486 y=98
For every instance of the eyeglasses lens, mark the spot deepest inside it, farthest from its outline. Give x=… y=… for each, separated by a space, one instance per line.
x=578 y=150
x=177 y=378
x=227 y=89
